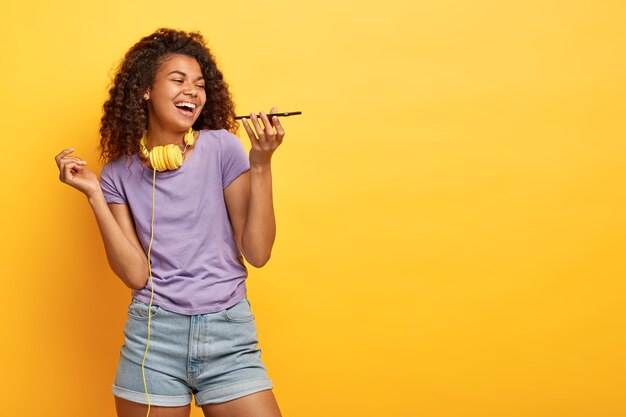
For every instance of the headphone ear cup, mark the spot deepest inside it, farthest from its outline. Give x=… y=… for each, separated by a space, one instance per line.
x=153 y=162
x=168 y=157
x=162 y=153
x=167 y=160
x=159 y=158
x=174 y=156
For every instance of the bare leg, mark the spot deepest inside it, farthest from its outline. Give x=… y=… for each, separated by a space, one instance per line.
x=127 y=408
x=259 y=404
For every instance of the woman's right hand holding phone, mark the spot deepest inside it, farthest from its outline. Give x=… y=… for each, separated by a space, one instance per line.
x=72 y=172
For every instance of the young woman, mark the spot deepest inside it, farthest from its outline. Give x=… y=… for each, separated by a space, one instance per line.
x=179 y=204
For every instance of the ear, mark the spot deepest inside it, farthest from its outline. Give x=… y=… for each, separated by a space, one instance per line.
x=146 y=95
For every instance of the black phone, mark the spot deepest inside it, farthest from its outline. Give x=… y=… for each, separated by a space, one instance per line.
x=270 y=115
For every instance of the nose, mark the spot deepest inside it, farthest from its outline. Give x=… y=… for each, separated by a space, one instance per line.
x=191 y=91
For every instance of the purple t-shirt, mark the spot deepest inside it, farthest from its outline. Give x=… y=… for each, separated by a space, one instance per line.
x=196 y=265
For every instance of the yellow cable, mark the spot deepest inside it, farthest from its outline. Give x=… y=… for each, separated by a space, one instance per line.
x=161 y=161
x=143 y=374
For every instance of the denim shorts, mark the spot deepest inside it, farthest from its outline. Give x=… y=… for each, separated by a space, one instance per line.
x=213 y=356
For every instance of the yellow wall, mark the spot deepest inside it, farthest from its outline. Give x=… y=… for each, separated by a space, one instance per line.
x=450 y=205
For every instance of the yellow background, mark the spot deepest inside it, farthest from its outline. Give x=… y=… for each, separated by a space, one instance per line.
x=450 y=205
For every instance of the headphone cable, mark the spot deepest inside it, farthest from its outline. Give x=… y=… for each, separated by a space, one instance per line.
x=143 y=374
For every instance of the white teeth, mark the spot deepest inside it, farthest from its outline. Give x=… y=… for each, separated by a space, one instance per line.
x=185 y=104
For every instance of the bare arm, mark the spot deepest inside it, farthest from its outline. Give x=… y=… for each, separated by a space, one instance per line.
x=249 y=197
x=124 y=252
x=250 y=208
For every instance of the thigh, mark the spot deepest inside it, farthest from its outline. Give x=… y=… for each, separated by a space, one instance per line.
x=226 y=357
x=127 y=408
x=259 y=404
x=165 y=364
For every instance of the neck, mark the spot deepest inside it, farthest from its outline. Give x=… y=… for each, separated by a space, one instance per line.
x=158 y=136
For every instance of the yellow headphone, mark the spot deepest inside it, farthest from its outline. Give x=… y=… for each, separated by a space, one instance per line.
x=162 y=158
x=168 y=157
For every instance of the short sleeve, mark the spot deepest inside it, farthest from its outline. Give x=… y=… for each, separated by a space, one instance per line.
x=107 y=184
x=234 y=158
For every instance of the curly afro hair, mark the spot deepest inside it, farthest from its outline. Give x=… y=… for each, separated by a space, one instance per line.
x=125 y=117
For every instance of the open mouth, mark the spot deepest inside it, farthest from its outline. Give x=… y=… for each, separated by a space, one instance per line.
x=186 y=107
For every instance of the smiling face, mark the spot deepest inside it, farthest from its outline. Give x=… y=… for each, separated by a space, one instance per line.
x=177 y=95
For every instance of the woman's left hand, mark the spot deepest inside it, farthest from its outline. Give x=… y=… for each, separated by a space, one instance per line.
x=263 y=137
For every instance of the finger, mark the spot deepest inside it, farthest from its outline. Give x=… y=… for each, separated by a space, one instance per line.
x=73 y=158
x=280 y=132
x=64 y=152
x=257 y=127
x=61 y=154
x=269 y=129
x=68 y=175
x=246 y=126
x=68 y=160
x=273 y=110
